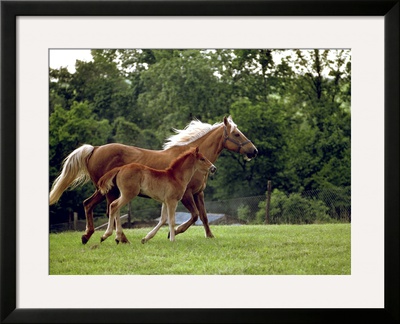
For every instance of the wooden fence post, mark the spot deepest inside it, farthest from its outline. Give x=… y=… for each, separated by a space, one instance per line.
x=75 y=221
x=70 y=219
x=268 y=202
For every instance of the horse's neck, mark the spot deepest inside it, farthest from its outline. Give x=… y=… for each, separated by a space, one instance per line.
x=211 y=144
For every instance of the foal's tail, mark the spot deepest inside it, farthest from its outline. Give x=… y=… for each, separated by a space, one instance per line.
x=106 y=182
x=74 y=172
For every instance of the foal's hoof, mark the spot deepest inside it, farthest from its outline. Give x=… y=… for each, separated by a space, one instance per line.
x=116 y=240
x=102 y=239
x=169 y=234
x=143 y=240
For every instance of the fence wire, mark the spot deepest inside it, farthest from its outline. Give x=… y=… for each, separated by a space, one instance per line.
x=308 y=207
x=314 y=206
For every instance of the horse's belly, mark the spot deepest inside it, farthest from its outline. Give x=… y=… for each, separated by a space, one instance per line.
x=145 y=192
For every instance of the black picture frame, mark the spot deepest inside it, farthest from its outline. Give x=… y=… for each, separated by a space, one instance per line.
x=9 y=12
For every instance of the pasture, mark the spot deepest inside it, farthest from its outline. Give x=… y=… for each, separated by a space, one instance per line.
x=323 y=249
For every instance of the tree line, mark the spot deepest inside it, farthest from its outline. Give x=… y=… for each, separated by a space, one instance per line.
x=293 y=104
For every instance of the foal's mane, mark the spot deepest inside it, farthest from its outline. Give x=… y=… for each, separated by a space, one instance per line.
x=193 y=131
x=178 y=161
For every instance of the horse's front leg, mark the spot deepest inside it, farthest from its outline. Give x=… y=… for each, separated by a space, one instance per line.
x=171 y=206
x=89 y=205
x=189 y=203
x=163 y=220
x=199 y=200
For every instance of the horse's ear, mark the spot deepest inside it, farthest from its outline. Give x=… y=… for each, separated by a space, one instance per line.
x=197 y=150
x=227 y=120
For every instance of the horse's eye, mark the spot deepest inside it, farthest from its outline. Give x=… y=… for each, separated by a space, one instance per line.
x=237 y=135
x=202 y=159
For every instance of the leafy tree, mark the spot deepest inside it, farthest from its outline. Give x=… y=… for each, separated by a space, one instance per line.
x=125 y=132
x=180 y=86
x=101 y=84
x=321 y=136
x=61 y=91
x=68 y=130
x=295 y=109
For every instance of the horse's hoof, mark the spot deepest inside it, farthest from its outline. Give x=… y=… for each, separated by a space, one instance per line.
x=143 y=240
x=125 y=240
x=116 y=240
x=102 y=239
x=84 y=239
x=169 y=233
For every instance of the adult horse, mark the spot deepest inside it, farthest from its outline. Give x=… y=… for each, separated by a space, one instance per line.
x=92 y=162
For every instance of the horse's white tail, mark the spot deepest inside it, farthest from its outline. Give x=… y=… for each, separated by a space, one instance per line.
x=106 y=181
x=74 y=172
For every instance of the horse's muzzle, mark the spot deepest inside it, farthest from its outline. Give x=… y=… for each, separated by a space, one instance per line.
x=213 y=169
x=250 y=155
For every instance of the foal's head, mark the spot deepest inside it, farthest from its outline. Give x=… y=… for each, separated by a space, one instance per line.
x=202 y=164
x=192 y=159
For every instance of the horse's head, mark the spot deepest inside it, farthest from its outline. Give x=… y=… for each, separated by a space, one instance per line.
x=234 y=140
x=203 y=164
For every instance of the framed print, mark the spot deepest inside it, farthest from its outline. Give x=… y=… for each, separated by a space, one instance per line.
x=31 y=293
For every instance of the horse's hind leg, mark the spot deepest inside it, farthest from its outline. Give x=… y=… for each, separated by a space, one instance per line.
x=163 y=220
x=89 y=205
x=195 y=204
x=115 y=208
x=112 y=195
x=111 y=219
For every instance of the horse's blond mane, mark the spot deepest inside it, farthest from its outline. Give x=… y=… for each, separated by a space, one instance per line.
x=193 y=131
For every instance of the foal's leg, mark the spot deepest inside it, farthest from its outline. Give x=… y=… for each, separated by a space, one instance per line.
x=171 y=206
x=111 y=218
x=199 y=200
x=89 y=204
x=163 y=220
x=112 y=195
x=189 y=203
x=115 y=210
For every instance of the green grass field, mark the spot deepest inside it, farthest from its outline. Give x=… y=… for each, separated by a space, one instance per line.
x=235 y=250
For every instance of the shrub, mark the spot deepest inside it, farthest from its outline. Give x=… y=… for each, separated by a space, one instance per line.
x=243 y=213
x=293 y=209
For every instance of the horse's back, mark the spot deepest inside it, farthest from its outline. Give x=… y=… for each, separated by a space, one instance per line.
x=109 y=156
